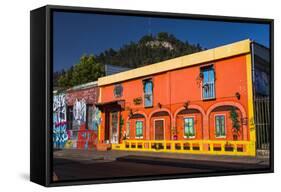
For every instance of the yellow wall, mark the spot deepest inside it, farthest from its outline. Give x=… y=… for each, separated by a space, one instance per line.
x=251 y=122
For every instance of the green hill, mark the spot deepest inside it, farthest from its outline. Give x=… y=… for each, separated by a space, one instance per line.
x=148 y=50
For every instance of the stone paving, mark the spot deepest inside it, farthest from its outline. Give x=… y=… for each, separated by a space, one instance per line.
x=112 y=155
x=74 y=164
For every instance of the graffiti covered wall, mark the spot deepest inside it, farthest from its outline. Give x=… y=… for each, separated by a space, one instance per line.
x=60 y=136
x=84 y=118
x=76 y=119
x=85 y=122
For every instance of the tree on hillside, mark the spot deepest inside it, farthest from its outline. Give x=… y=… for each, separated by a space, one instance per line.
x=87 y=70
x=148 y=50
x=162 y=36
x=146 y=38
x=56 y=76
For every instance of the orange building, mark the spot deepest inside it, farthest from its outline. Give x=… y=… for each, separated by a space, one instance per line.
x=199 y=103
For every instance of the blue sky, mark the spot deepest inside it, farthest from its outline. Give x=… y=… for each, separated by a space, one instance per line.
x=76 y=34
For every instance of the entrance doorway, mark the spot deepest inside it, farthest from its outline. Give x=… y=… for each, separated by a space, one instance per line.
x=159 y=129
x=114 y=127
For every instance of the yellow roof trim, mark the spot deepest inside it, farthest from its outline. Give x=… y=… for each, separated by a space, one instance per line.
x=237 y=48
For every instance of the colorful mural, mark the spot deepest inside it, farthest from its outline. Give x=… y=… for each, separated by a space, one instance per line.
x=59 y=121
x=79 y=111
x=76 y=119
x=83 y=133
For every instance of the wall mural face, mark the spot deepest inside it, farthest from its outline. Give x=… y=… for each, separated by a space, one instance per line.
x=59 y=121
x=79 y=111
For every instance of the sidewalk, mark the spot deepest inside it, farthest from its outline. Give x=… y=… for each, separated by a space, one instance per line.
x=107 y=156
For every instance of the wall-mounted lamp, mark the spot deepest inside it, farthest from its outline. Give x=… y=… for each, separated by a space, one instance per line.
x=130 y=111
x=237 y=95
x=159 y=105
x=185 y=105
x=201 y=76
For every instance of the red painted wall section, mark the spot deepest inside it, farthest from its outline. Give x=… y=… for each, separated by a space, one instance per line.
x=172 y=89
x=87 y=139
x=184 y=85
x=230 y=78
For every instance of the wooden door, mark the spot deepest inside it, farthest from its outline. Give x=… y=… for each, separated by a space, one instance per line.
x=159 y=129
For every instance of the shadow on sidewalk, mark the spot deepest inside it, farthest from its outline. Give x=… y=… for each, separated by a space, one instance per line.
x=195 y=164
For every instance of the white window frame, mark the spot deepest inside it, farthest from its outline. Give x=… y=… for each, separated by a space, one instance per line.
x=185 y=117
x=144 y=81
x=202 y=82
x=141 y=137
x=215 y=128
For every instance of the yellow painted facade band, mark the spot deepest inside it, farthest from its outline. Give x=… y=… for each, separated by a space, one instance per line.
x=240 y=148
x=99 y=127
x=238 y=48
x=99 y=130
x=251 y=119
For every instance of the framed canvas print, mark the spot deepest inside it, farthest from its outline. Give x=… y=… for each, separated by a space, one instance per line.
x=119 y=95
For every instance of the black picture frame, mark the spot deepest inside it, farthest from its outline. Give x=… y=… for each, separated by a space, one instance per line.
x=41 y=67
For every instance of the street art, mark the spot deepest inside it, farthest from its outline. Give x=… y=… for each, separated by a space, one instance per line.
x=94 y=122
x=79 y=111
x=96 y=119
x=88 y=136
x=59 y=121
x=83 y=133
x=70 y=144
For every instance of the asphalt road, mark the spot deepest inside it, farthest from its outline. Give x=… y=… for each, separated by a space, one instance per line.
x=132 y=166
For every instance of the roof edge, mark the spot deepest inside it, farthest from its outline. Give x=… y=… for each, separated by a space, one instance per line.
x=83 y=86
x=229 y=50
